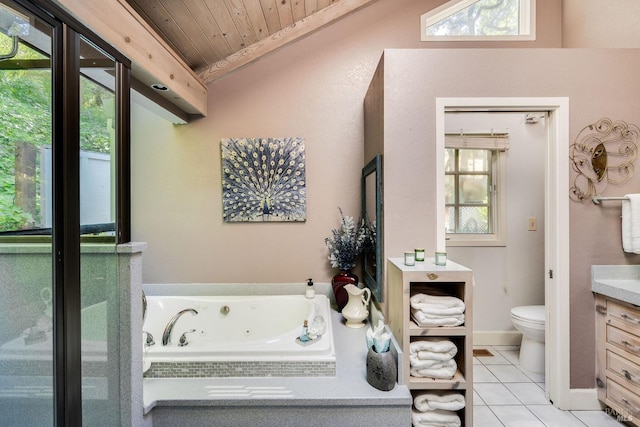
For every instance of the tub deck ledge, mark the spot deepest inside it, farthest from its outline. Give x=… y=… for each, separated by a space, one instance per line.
x=348 y=388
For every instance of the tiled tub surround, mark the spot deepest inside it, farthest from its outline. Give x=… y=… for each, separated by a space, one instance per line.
x=344 y=399
x=238 y=336
x=298 y=368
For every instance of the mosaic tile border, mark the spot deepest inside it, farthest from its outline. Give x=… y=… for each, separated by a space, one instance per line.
x=240 y=369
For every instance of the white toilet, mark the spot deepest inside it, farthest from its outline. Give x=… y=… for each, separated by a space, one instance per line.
x=530 y=320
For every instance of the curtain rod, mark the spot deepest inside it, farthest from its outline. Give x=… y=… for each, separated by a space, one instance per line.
x=480 y=132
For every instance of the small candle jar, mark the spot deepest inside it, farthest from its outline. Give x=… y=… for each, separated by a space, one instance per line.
x=441 y=258
x=409 y=258
x=419 y=254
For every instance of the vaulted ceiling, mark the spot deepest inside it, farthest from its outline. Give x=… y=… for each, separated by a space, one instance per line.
x=216 y=37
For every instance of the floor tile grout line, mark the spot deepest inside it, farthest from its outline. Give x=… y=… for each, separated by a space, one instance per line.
x=568 y=412
x=497 y=418
x=531 y=380
x=508 y=362
x=532 y=413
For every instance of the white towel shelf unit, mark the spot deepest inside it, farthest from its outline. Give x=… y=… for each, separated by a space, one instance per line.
x=425 y=277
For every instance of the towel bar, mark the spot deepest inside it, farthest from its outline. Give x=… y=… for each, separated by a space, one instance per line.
x=598 y=199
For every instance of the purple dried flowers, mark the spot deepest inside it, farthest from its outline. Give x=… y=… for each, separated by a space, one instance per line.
x=347 y=242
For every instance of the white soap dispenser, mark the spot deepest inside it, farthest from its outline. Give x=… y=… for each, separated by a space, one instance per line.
x=310 y=292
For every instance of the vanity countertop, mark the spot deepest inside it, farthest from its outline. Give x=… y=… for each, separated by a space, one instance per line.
x=621 y=282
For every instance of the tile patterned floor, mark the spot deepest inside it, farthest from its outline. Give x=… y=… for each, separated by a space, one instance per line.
x=507 y=395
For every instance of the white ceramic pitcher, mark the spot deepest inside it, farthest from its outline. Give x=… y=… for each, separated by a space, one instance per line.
x=357 y=308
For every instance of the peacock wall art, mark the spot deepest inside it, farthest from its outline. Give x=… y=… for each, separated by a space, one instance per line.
x=263 y=179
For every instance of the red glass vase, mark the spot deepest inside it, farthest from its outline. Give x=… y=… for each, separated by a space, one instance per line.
x=338 y=283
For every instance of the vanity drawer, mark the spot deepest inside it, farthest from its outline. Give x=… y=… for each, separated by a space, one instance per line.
x=624 y=340
x=629 y=315
x=625 y=371
x=629 y=402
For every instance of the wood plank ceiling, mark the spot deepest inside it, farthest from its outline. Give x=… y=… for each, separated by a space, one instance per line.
x=216 y=37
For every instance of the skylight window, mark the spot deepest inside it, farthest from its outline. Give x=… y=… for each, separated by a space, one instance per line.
x=480 y=20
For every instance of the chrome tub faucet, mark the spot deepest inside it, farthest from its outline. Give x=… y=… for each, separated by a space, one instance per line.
x=148 y=341
x=183 y=338
x=166 y=335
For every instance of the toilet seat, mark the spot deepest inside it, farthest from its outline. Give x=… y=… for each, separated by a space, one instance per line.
x=529 y=313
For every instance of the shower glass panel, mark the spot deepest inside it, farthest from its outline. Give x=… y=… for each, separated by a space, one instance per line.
x=26 y=271
x=98 y=264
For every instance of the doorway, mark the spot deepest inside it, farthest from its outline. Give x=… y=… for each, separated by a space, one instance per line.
x=556 y=218
x=495 y=177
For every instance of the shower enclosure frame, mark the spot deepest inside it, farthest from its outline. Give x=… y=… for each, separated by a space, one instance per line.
x=65 y=238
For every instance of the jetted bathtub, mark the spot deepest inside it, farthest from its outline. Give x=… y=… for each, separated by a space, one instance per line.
x=237 y=336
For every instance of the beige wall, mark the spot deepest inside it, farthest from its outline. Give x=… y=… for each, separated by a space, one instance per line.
x=414 y=78
x=315 y=89
x=598 y=23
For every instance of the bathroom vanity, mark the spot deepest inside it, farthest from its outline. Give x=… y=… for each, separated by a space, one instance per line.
x=617 y=299
x=425 y=277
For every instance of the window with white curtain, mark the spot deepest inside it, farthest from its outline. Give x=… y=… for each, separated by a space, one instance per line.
x=475 y=189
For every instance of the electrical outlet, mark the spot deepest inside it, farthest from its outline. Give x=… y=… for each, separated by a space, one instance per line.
x=533 y=223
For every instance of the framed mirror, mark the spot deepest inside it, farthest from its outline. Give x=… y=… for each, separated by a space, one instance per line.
x=371 y=193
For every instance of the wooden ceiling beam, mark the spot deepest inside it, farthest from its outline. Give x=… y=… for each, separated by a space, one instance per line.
x=153 y=60
x=297 y=30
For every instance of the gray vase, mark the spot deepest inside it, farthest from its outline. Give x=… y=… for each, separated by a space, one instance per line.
x=382 y=372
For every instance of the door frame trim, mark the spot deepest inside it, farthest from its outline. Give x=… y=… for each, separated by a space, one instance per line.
x=557 y=292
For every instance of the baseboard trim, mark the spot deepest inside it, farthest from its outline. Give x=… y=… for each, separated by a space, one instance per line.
x=584 y=399
x=497 y=338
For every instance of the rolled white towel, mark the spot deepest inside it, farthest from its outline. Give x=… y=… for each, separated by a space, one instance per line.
x=445 y=372
x=434 y=400
x=437 y=305
x=424 y=359
x=438 y=418
x=416 y=362
x=432 y=355
x=428 y=320
x=435 y=345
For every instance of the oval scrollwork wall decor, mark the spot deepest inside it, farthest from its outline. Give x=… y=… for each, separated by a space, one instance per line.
x=603 y=153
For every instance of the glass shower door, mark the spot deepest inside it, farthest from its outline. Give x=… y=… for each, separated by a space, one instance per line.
x=59 y=296
x=26 y=269
x=98 y=264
